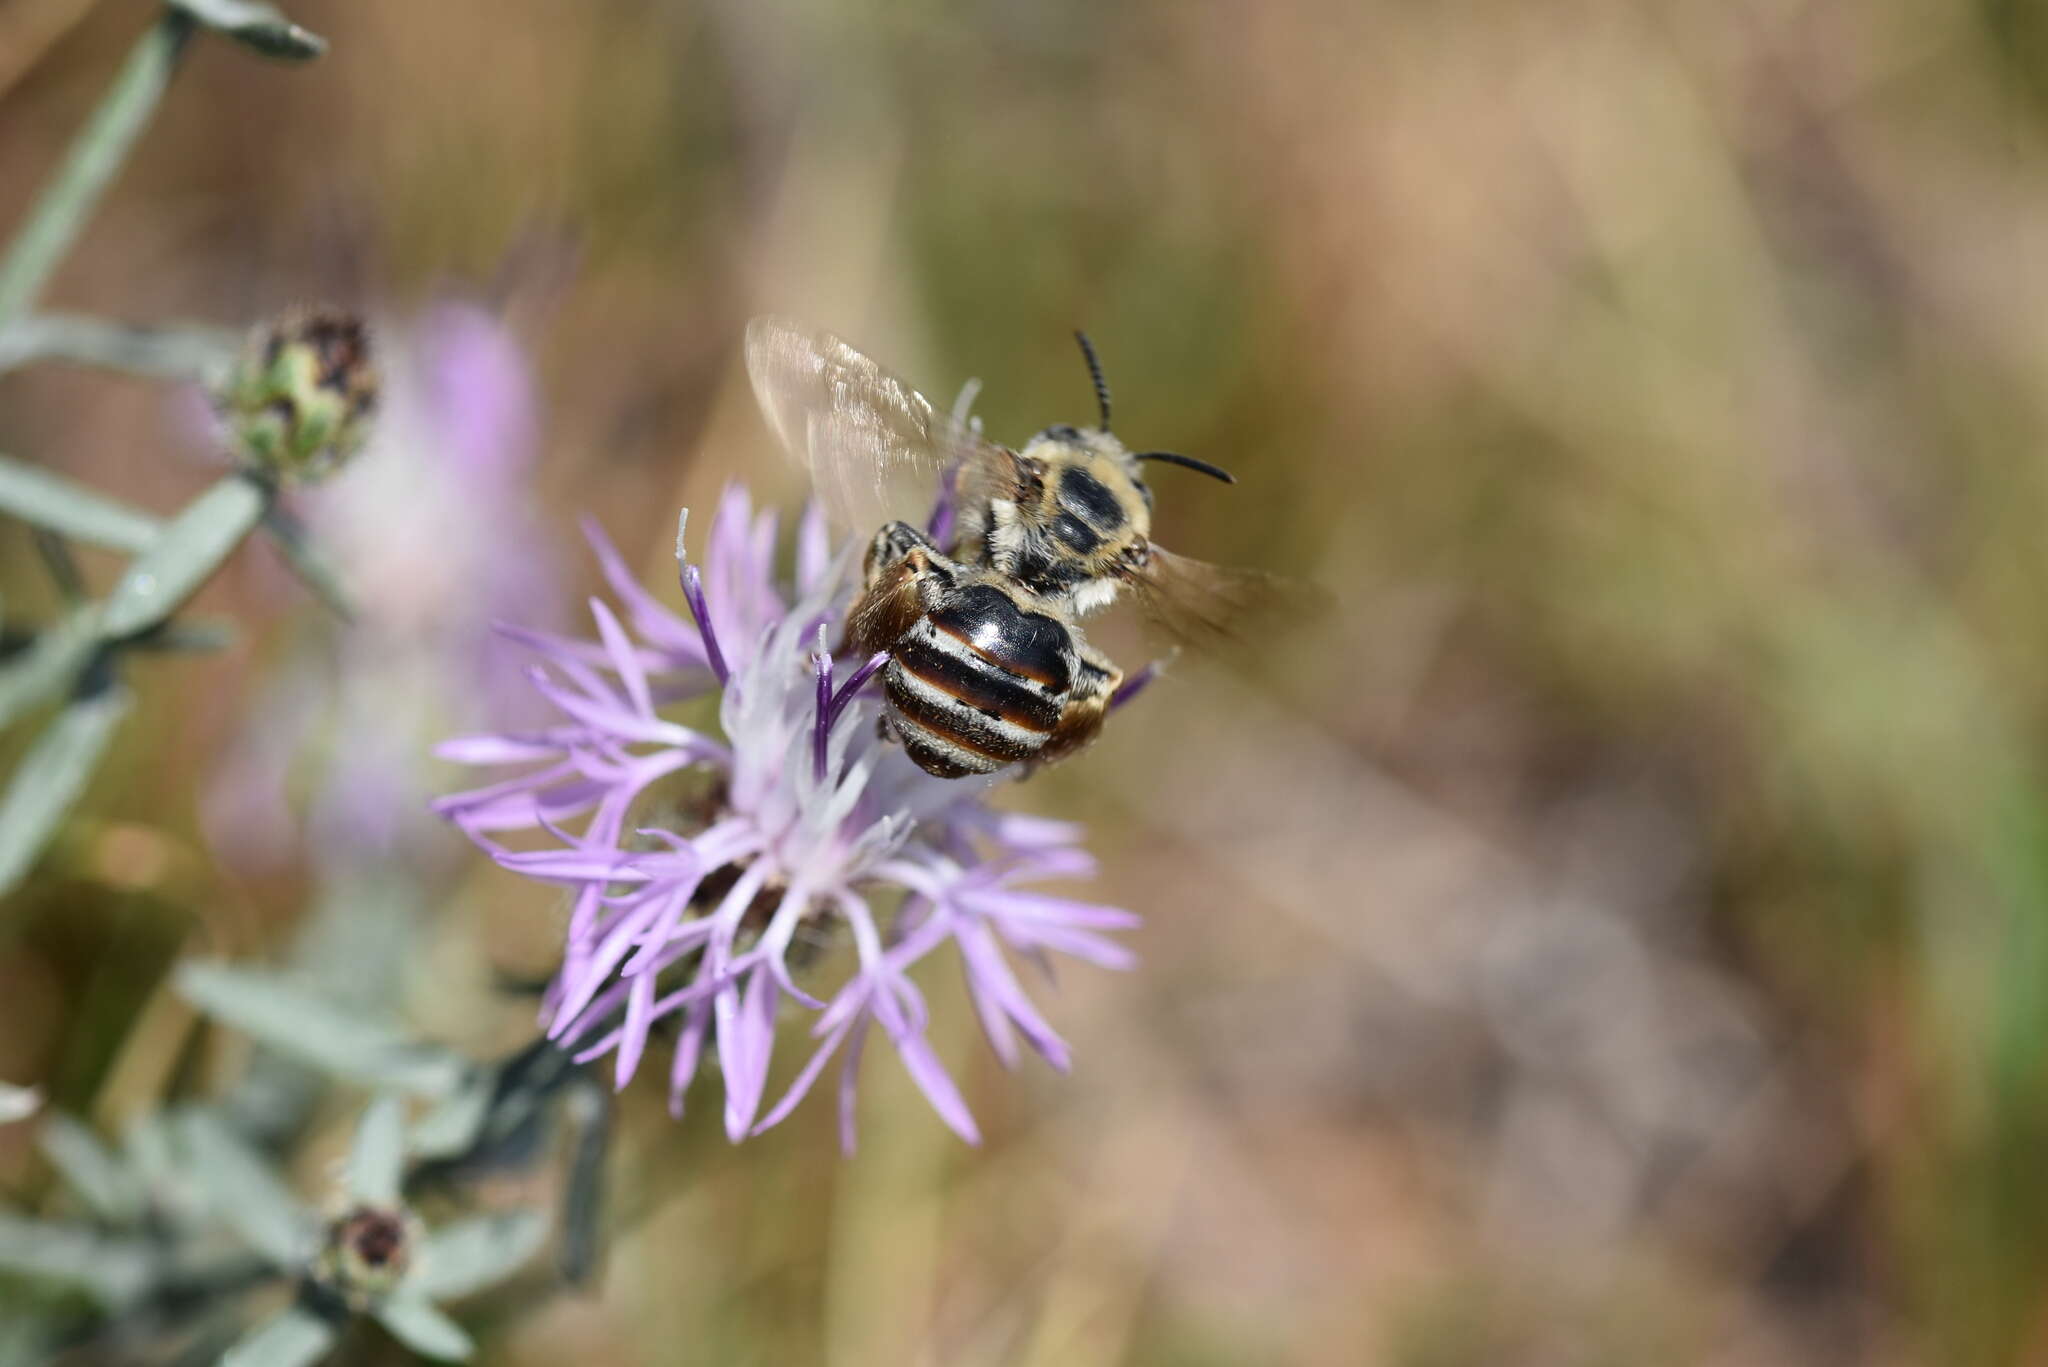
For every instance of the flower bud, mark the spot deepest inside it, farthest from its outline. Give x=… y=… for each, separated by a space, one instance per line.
x=366 y=1254
x=300 y=400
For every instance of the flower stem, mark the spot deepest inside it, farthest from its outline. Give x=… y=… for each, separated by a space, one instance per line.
x=200 y=354
x=91 y=163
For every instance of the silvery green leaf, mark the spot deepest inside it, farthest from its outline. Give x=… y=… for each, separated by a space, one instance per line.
x=91 y=1169
x=151 y=1149
x=178 y=636
x=52 y=775
x=376 y=1159
x=46 y=499
x=469 y=1255
x=452 y=1124
x=184 y=556
x=273 y=1010
x=308 y=561
x=294 y=1337
x=257 y=25
x=113 y=1271
x=28 y=1337
x=590 y=1118
x=51 y=665
x=17 y=1103
x=244 y=1193
x=413 y=1321
x=199 y=354
x=56 y=555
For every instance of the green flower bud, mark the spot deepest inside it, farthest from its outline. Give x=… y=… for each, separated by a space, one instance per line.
x=366 y=1254
x=301 y=398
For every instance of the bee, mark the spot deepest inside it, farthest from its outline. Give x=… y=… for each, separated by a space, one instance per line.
x=980 y=616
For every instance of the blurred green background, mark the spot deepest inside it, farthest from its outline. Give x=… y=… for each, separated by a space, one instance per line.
x=1616 y=933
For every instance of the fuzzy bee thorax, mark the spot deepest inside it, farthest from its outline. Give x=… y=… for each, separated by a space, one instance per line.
x=1075 y=519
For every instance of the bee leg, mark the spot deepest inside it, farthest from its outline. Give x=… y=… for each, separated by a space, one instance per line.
x=890 y=604
x=1095 y=683
x=892 y=545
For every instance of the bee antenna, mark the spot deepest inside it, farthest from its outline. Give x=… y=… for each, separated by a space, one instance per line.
x=1095 y=374
x=1176 y=458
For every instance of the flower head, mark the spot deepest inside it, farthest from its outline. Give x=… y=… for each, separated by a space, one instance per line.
x=371 y=1255
x=300 y=401
x=707 y=869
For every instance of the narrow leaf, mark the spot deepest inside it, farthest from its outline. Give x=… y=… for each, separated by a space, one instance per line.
x=91 y=1169
x=257 y=26
x=155 y=1156
x=590 y=1114
x=90 y=164
x=62 y=565
x=377 y=1157
x=271 y=1009
x=179 y=637
x=244 y=1193
x=18 y=1103
x=51 y=665
x=294 y=1337
x=413 y=1321
x=46 y=499
x=308 y=561
x=185 y=556
x=469 y=1255
x=196 y=354
x=51 y=776
x=113 y=1271
x=453 y=1123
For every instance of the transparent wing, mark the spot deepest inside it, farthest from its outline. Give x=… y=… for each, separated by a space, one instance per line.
x=1213 y=607
x=874 y=448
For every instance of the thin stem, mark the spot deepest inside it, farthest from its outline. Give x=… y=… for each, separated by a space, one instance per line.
x=41 y=498
x=201 y=354
x=90 y=165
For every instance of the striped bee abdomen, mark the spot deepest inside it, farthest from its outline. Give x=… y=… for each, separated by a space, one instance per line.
x=978 y=683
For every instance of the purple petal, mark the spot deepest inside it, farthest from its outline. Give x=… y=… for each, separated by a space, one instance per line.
x=651 y=620
x=689 y=1048
x=725 y=567
x=746 y=1039
x=633 y=1034
x=990 y=978
x=1039 y=909
x=618 y=938
x=801 y=1085
x=497 y=749
x=849 y=1077
x=932 y=1079
x=480 y=388
x=1075 y=944
x=623 y=658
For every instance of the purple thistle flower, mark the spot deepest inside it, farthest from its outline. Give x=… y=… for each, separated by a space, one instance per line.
x=805 y=825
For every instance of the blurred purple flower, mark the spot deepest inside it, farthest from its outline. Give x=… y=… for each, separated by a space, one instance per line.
x=435 y=535
x=804 y=823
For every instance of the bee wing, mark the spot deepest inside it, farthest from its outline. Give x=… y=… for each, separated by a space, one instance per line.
x=875 y=448
x=1211 y=607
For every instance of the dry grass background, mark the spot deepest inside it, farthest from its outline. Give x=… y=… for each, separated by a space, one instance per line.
x=1614 y=935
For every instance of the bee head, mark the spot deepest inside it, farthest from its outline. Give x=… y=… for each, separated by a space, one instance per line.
x=1105 y=445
